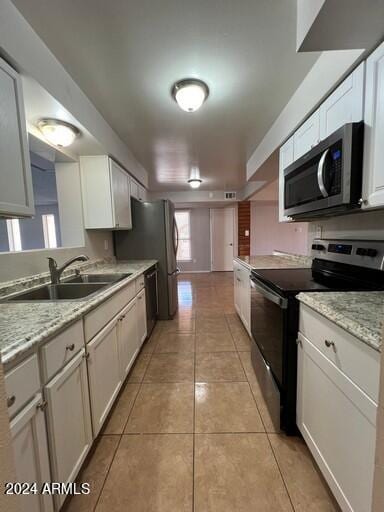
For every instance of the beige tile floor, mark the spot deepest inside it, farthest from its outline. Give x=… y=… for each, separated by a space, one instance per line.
x=190 y=430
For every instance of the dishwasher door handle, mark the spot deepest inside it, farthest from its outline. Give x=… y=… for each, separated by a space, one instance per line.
x=269 y=294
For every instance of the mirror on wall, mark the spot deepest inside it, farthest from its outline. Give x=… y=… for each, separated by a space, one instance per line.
x=43 y=230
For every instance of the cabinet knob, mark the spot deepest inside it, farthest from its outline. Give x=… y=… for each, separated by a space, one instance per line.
x=86 y=356
x=330 y=344
x=11 y=400
x=362 y=201
x=70 y=347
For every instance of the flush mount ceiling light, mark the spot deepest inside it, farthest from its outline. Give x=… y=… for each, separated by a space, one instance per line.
x=58 y=133
x=190 y=94
x=195 y=182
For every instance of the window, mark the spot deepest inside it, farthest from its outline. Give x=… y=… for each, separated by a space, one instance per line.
x=49 y=231
x=14 y=238
x=183 y=221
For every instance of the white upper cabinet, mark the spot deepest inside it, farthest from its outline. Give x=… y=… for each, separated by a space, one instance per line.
x=16 y=195
x=138 y=191
x=134 y=186
x=373 y=175
x=344 y=105
x=285 y=159
x=307 y=136
x=105 y=191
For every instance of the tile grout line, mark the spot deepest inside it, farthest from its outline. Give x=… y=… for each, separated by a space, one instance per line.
x=267 y=434
x=122 y=434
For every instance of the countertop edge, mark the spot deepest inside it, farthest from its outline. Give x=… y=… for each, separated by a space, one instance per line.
x=347 y=324
x=16 y=350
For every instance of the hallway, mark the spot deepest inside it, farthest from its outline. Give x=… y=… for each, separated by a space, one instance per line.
x=190 y=430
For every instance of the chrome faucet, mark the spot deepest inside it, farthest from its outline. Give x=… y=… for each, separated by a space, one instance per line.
x=56 y=271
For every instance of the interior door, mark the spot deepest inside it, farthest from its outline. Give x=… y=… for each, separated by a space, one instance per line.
x=222 y=239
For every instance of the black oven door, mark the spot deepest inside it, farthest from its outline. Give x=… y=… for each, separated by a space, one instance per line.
x=267 y=325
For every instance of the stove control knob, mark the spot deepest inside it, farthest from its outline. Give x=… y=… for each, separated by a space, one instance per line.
x=360 y=251
x=371 y=252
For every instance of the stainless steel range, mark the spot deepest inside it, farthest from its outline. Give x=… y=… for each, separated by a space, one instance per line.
x=338 y=265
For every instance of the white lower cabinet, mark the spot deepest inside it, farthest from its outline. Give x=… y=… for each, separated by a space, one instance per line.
x=338 y=422
x=141 y=317
x=69 y=421
x=242 y=294
x=128 y=337
x=104 y=372
x=29 y=441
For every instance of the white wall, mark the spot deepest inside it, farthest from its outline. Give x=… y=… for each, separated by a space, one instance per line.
x=200 y=242
x=268 y=235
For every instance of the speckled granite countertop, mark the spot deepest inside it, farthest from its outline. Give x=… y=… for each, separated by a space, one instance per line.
x=276 y=260
x=25 y=325
x=359 y=313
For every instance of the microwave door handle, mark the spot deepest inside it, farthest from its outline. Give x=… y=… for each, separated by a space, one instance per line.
x=320 y=173
x=268 y=294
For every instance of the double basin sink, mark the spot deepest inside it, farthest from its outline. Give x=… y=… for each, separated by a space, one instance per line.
x=80 y=286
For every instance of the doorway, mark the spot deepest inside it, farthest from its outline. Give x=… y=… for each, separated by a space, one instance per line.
x=222 y=239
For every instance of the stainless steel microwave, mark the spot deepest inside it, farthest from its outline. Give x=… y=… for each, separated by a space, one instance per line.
x=326 y=180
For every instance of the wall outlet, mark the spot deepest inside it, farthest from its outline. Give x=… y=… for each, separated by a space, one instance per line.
x=106 y=245
x=318 y=230
x=246 y=232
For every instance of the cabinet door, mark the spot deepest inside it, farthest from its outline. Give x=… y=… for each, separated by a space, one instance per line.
x=29 y=441
x=134 y=188
x=307 y=136
x=344 y=105
x=246 y=299
x=104 y=373
x=285 y=159
x=141 y=317
x=120 y=197
x=128 y=337
x=69 y=421
x=16 y=195
x=338 y=423
x=142 y=193
x=373 y=173
x=236 y=286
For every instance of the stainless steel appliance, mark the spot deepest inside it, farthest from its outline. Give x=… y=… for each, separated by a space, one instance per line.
x=327 y=179
x=150 y=277
x=153 y=236
x=338 y=265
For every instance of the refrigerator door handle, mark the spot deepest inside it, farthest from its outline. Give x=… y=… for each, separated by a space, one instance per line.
x=175 y=237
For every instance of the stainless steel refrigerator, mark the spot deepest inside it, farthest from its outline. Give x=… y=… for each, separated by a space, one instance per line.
x=153 y=236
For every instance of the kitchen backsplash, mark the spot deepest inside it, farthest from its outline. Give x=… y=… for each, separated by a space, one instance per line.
x=368 y=226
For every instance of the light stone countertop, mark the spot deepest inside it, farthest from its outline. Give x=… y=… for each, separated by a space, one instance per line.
x=359 y=313
x=26 y=325
x=276 y=260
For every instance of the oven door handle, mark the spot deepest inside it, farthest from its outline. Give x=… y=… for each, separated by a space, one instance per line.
x=320 y=173
x=270 y=295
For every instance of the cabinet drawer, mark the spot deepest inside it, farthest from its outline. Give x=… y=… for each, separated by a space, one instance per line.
x=354 y=358
x=21 y=384
x=60 y=350
x=99 y=317
x=140 y=283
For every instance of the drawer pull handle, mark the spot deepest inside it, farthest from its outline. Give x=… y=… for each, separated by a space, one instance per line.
x=70 y=347
x=330 y=344
x=11 y=400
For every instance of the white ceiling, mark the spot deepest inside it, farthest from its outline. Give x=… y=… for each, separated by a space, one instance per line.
x=126 y=54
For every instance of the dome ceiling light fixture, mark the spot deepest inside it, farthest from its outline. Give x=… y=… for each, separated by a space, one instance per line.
x=195 y=182
x=190 y=93
x=59 y=133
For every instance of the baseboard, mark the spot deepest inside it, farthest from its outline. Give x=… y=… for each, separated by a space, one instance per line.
x=195 y=271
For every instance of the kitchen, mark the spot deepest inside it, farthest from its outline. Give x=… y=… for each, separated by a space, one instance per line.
x=191 y=248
